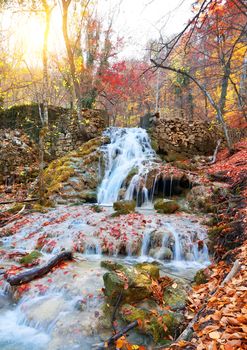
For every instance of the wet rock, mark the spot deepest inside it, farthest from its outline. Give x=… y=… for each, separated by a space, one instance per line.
x=201 y=277
x=44 y=310
x=175 y=296
x=189 y=257
x=152 y=269
x=162 y=253
x=133 y=282
x=165 y=206
x=124 y=207
x=4 y=300
x=81 y=305
x=158 y=325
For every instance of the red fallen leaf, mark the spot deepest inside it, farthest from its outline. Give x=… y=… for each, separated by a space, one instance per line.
x=65 y=272
x=42 y=288
x=23 y=288
x=90 y=296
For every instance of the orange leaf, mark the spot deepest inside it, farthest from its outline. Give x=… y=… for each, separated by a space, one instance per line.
x=139 y=321
x=120 y=342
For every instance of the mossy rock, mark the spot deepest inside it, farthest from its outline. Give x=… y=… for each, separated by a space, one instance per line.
x=132 y=173
x=30 y=258
x=154 y=144
x=201 y=277
x=165 y=206
x=161 y=253
x=159 y=325
x=40 y=208
x=124 y=207
x=16 y=208
x=175 y=297
x=97 y=208
x=74 y=177
x=133 y=282
x=111 y=265
x=152 y=269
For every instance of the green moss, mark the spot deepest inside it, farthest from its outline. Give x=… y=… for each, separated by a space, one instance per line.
x=29 y=258
x=151 y=269
x=39 y=208
x=200 y=277
x=215 y=231
x=154 y=145
x=16 y=208
x=158 y=325
x=175 y=297
x=96 y=208
x=132 y=173
x=124 y=207
x=165 y=206
x=132 y=282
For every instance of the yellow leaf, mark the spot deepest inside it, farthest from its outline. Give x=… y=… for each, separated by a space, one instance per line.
x=215 y=335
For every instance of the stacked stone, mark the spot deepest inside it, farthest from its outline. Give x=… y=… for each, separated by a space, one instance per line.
x=18 y=157
x=185 y=136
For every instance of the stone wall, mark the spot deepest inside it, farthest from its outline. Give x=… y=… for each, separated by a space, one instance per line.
x=70 y=136
x=18 y=157
x=65 y=131
x=178 y=138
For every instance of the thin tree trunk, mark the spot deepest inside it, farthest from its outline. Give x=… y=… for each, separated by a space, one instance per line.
x=44 y=119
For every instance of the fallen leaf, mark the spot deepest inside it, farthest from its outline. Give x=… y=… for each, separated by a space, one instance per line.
x=215 y=335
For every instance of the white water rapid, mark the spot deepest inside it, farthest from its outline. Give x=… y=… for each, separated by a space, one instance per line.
x=129 y=150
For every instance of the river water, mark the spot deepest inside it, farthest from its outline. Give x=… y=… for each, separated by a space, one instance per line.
x=62 y=310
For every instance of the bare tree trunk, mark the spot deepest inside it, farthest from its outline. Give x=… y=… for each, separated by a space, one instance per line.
x=44 y=118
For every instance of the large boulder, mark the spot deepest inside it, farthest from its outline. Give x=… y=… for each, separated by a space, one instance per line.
x=158 y=323
x=124 y=207
x=133 y=282
x=175 y=296
x=165 y=206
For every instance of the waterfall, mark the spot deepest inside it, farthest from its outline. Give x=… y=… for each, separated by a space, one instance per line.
x=177 y=248
x=145 y=243
x=128 y=150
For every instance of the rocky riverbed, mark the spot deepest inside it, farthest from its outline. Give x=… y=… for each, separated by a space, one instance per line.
x=66 y=308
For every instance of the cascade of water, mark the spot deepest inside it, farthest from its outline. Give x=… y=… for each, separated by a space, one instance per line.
x=129 y=149
x=177 y=247
x=145 y=196
x=154 y=185
x=145 y=244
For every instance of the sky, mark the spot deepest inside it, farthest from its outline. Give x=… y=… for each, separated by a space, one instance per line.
x=141 y=20
x=136 y=21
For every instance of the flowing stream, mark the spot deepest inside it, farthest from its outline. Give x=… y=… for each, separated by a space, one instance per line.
x=62 y=310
